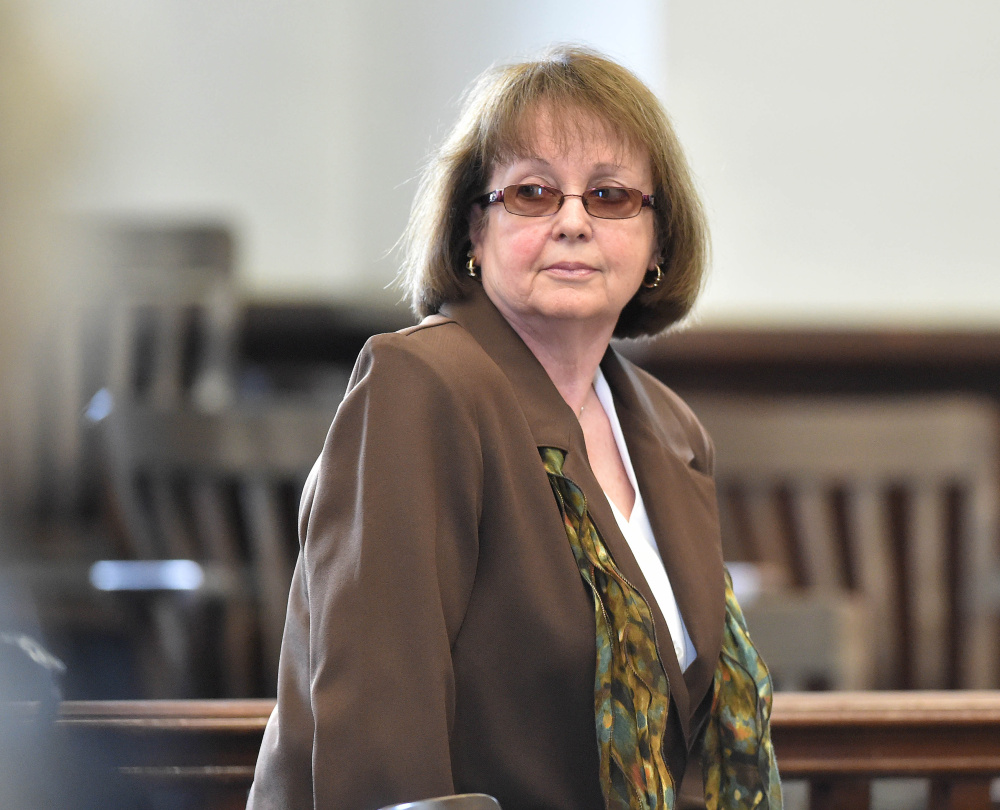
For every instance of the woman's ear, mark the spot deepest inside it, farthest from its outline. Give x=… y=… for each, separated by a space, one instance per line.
x=477 y=224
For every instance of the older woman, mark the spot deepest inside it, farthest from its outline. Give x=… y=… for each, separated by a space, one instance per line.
x=510 y=578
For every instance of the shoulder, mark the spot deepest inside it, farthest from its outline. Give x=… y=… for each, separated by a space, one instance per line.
x=436 y=358
x=674 y=420
x=405 y=403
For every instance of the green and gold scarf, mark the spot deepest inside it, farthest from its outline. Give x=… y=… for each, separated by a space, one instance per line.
x=632 y=692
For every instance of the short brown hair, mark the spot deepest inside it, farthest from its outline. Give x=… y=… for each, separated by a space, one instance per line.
x=491 y=131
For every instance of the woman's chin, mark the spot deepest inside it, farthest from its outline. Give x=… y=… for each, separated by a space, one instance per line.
x=569 y=306
x=549 y=307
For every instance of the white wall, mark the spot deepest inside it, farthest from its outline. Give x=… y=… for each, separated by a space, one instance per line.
x=850 y=156
x=303 y=123
x=847 y=151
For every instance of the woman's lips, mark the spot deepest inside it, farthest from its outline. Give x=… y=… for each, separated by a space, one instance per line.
x=571 y=268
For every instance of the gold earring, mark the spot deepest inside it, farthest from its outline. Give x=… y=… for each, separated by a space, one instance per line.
x=471 y=268
x=656 y=281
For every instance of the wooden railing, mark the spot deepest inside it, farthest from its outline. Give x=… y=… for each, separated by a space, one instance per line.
x=840 y=741
x=169 y=753
x=202 y=753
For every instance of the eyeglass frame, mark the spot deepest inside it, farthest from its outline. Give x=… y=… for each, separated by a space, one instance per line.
x=497 y=196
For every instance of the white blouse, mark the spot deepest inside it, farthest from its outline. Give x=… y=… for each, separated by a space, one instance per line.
x=639 y=534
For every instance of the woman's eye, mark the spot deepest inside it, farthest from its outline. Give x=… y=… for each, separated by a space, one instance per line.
x=530 y=190
x=610 y=194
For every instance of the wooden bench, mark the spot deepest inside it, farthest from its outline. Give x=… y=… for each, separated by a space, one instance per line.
x=202 y=753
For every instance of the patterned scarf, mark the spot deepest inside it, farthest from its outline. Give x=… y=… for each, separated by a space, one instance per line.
x=632 y=692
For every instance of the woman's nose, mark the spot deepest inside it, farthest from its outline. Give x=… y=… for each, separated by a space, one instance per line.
x=572 y=219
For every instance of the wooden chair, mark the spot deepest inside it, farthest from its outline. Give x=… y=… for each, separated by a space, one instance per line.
x=221 y=489
x=892 y=499
x=154 y=318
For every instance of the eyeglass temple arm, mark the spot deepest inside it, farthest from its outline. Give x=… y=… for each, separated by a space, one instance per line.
x=490 y=197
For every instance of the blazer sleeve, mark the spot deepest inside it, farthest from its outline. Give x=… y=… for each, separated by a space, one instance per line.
x=388 y=550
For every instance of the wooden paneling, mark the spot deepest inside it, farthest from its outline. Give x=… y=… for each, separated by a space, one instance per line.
x=824 y=360
x=285 y=339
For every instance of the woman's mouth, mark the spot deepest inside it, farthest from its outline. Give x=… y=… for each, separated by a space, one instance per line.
x=571 y=269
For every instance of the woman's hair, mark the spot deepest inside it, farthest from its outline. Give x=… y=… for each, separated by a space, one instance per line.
x=496 y=127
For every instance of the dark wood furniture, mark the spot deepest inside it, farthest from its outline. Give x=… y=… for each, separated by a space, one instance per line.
x=891 y=501
x=202 y=753
x=844 y=360
x=221 y=489
x=177 y=754
x=840 y=741
x=287 y=339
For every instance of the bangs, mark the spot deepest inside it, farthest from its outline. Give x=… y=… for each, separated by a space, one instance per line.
x=569 y=125
x=580 y=104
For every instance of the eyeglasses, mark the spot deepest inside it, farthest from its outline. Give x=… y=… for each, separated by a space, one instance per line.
x=533 y=200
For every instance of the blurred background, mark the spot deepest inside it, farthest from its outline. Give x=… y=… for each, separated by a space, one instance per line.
x=199 y=205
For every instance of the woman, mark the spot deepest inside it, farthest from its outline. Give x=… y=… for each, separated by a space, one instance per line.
x=510 y=578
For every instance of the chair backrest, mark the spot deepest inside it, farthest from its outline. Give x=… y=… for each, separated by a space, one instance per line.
x=221 y=488
x=151 y=312
x=894 y=498
x=171 y=339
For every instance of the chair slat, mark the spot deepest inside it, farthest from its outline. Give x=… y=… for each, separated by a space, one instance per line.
x=927 y=591
x=979 y=600
x=817 y=535
x=220 y=537
x=168 y=512
x=770 y=537
x=877 y=577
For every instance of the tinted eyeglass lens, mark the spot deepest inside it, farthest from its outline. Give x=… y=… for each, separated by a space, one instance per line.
x=613 y=202
x=530 y=200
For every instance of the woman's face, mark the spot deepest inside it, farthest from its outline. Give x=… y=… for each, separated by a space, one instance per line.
x=543 y=271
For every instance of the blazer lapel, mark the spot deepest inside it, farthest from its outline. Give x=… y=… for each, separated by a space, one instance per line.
x=683 y=512
x=680 y=506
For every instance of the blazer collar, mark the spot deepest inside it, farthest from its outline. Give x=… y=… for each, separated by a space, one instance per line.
x=551 y=420
x=680 y=501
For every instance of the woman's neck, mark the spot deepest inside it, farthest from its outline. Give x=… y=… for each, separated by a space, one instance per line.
x=570 y=354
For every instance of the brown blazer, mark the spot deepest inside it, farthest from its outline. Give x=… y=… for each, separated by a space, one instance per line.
x=439 y=638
